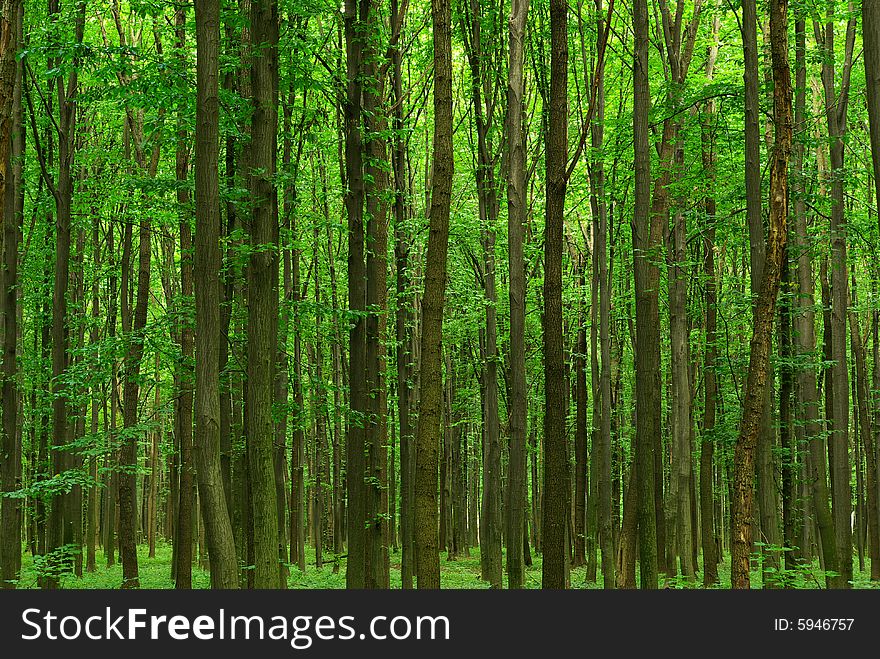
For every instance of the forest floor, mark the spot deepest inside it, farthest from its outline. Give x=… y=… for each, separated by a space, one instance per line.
x=155 y=573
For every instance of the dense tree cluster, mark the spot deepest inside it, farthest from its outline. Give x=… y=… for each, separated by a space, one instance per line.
x=587 y=289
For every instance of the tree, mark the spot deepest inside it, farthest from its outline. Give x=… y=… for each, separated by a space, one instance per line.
x=759 y=355
x=645 y=239
x=709 y=540
x=557 y=494
x=430 y=401
x=11 y=151
x=61 y=517
x=262 y=323
x=356 y=13
x=836 y=105
x=206 y=271
x=184 y=418
x=516 y=219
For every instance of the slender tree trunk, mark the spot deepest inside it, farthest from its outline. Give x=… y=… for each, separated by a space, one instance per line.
x=11 y=151
x=430 y=399
x=130 y=392
x=517 y=500
x=557 y=489
x=355 y=16
x=491 y=529
x=646 y=276
x=836 y=104
x=61 y=522
x=804 y=332
x=206 y=270
x=602 y=450
x=710 y=380
x=403 y=315
x=680 y=477
x=867 y=438
x=871 y=54
x=376 y=569
x=759 y=358
x=183 y=530
x=93 y=505
x=584 y=533
x=262 y=323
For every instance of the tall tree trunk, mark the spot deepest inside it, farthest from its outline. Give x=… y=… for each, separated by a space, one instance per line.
x=184 y=426
x=836 y=104
x=680 y=408
x=710 y=380
x=206 y=270
x=584 y=502
x=93 y=504
x=490 y=511
x=871 y=52
x=602 y=451
x=61 y=522
x=262 y=323
x=646 y=276
x=430 y=399
x=766 y=487
x=557 y=489
x=376 y=567
x=403 y=314
x=130 y=393
x=11 y=151
x=805 y=333
x=355 y=16
x=759 y=358
x=516 y=219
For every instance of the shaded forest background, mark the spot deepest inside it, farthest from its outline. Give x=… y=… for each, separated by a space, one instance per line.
x=468 y=293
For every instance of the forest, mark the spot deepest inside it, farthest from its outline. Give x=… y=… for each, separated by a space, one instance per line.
x=439 y=293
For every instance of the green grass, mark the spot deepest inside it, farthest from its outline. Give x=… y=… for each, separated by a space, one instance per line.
x=462 y=573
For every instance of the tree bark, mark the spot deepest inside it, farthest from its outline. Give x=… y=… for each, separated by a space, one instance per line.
x=11 y=151
x=871 y=53
x=430 y=400
x=403 y=314
x=206 y=271
x=557 y=489
x=646 y=276
x=602 y=452
x=356 y=14
x=516 y=219
x=710 y=381
x=836 y=104
x=758 y=380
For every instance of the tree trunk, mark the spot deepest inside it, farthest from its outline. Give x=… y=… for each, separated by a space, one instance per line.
x=557 y=489
x=646 y=276
x=61 y=522
x=11 y=150
x=262 y=323
x=516 y=219
x=867 y=438
x=758 y=380
x=710 y=380
x=804 y=334
x=430 y=399
x=404 y=314
x=871 y=52
x=836 y=103
x=206 y=270
x=602 y=450
x=355 y=16
x=376 y=569
x=130 y=392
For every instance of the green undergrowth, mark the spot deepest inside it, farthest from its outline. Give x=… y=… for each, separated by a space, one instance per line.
x=463 y=573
